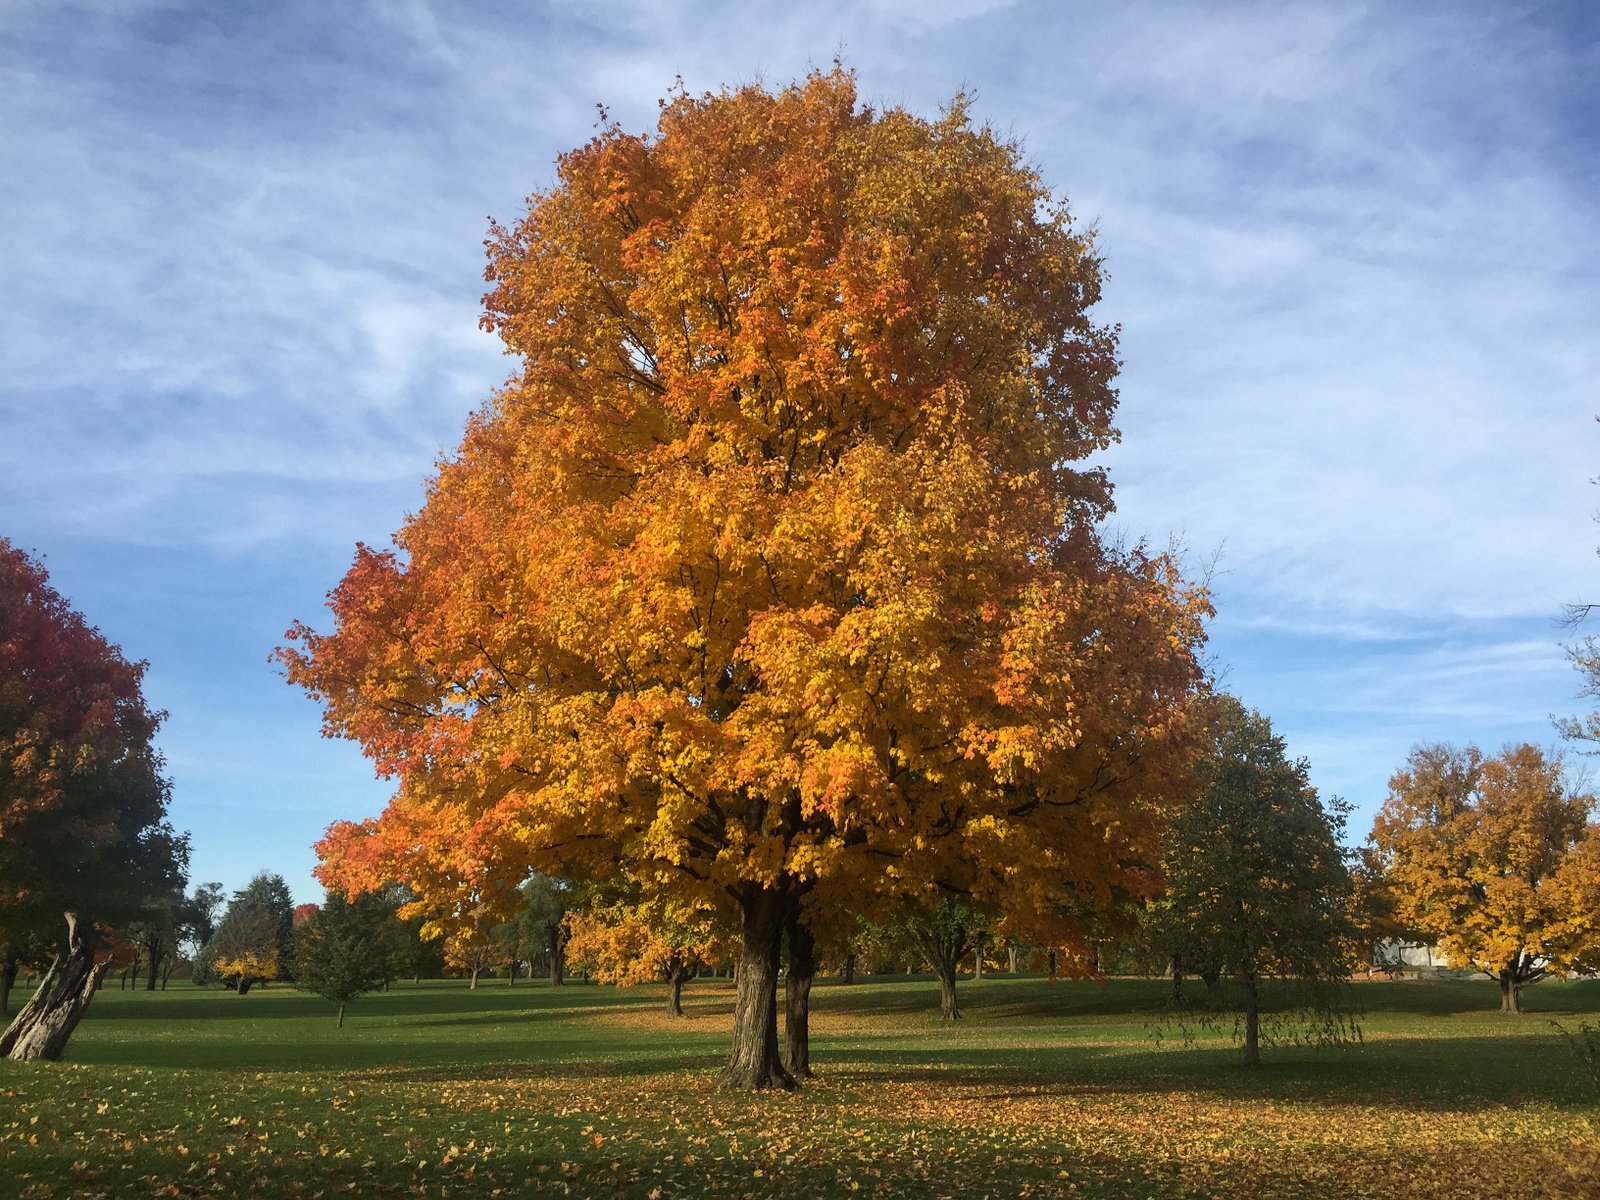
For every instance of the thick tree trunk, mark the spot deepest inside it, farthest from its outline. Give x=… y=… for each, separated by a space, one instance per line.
x=45 y=1023
x=754 y=1062
x=797 y=999
x=945 y=950
x=677 y=973
x=556 y=979
x=849 y=968
x=1510 y=995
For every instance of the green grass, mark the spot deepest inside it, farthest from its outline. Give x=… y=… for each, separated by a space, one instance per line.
x=1044 y=1089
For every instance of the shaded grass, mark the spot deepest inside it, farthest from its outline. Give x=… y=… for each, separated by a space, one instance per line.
x=434 y=1090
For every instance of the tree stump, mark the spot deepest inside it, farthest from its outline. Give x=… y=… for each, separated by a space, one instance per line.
x=45 y=1023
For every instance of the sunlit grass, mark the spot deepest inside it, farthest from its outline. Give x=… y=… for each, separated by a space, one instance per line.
x=1044 y=1089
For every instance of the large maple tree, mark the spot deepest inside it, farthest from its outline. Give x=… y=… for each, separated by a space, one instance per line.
x=773 y=576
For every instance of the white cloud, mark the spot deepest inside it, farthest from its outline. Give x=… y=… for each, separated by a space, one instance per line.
x=1353 y=249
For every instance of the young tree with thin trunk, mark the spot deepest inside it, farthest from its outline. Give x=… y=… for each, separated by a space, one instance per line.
x=345 y=948
x=471 y=949
x=1257 y=886
x=778 y=562
x=1495 y=860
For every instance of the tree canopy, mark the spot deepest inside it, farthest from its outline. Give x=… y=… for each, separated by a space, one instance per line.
x=83 y=801
x=1257 y=886
x=1494 y=859
x=773 y=576
x=346 y=948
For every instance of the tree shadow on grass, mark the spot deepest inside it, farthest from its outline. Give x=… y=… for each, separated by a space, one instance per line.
x=1458 y=1074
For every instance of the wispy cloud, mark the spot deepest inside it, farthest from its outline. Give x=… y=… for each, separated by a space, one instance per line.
x=1354 y=251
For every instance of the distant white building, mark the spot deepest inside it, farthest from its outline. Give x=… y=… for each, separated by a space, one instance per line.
x=1413 y=958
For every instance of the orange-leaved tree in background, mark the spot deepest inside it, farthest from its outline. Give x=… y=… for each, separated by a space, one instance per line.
x=645 y=942
x=1496 y=860
x=773 y=576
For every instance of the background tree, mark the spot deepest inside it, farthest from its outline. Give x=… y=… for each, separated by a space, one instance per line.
x=1257 y=886
x=538 y=928
x=29 y=950
x=254 y=942
x=627 y=943
x=159 y=928
x=345 y=948
x=411 y=953
x=246 y=950
x=201 y=910
x=471 y=949
x=778 y=561
x=945 y=933
x=1494 y=860
x=83 y=800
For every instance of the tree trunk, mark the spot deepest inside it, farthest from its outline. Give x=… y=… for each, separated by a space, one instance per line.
x=945 y=949
x=45 y=1023
x=473 y=986
x=8 y=977
x=556 y=979
x=511 y=975
x=797 y=999
x=677 y=973
x=849 y=968
x=754 y=1062
x=1252 y=1023
x=341 y=1014
x=1011 y=960
x=1510 y=995
x=977 y=963
x=156 y=949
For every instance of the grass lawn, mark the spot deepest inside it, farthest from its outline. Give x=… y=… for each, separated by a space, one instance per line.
x=1044 y=1090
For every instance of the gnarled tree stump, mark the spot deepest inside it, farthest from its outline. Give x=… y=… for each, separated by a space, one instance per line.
x=45 y=1023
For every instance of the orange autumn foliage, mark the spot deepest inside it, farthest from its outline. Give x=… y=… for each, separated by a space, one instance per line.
x=642 y=943
x=1495 y=860
x=774 y=573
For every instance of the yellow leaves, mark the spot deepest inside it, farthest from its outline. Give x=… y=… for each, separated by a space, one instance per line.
x=1493 y=858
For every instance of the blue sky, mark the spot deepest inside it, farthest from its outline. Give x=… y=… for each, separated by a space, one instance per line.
x=1354 y=251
